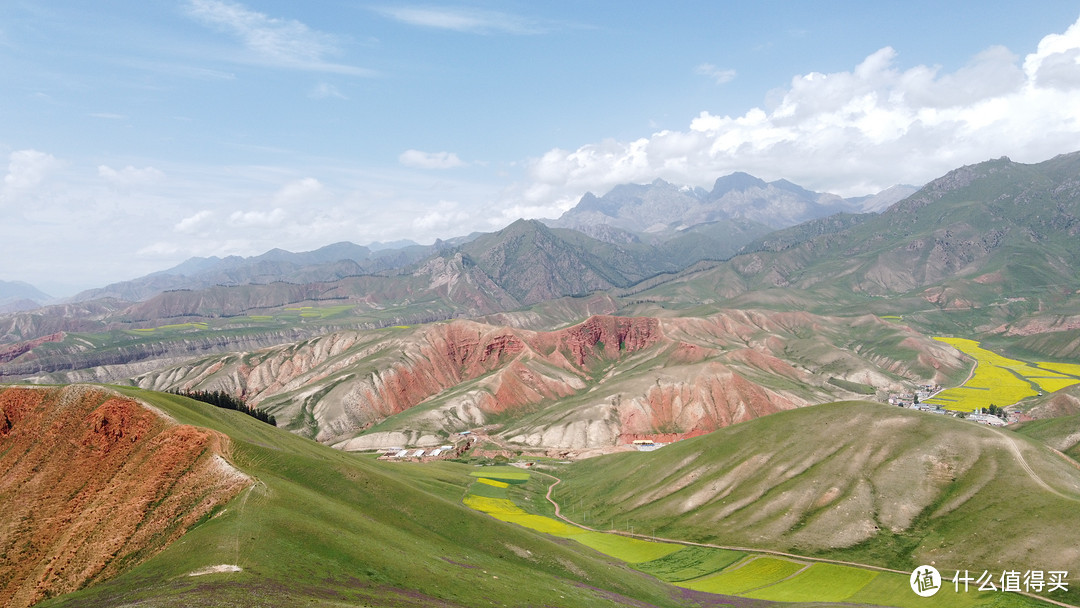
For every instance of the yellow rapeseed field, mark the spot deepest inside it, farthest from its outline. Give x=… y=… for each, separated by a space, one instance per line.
x=1001 y=381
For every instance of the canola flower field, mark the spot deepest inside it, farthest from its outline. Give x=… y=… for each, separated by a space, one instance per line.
x=1002 y=381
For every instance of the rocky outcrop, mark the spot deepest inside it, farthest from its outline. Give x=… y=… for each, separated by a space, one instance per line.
x=8 y=353
x=95 y=483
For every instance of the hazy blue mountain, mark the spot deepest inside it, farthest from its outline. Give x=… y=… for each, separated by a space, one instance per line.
x=18 y=295
x=749 y=205
x=327 y=263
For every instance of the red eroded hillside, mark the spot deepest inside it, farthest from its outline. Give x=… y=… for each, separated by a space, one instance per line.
x=453 y=353
x=93 y=484
x=605 y=381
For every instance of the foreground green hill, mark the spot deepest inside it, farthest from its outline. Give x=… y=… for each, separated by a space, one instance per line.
x=323 y=527
x=859 y=481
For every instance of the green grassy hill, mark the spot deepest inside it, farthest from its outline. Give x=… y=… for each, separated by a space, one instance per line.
x=323 y=527
x=1061 y=434
x=860 y=481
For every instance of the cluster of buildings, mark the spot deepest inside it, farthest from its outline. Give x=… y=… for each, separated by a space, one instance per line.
x=415 y=455
x=647 y=445
x=916 y=398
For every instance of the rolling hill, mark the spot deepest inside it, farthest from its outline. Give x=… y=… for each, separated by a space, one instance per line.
x=860 y=481
x=295 y=523
x=94 y=483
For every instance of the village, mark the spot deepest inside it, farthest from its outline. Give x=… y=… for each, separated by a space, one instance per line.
x=916 y=400
x=486 y=446
x=478 y=443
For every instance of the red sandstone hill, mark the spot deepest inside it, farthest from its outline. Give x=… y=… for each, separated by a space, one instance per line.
x=604 y=382
x=93 y=484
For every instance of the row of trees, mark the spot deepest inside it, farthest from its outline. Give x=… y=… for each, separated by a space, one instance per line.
x=226 y=401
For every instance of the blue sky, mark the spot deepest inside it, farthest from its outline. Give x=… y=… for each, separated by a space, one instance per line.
x=134 y=135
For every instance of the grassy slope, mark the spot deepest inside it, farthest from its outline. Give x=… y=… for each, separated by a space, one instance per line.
x=858 y=481
x=1062 y=434
x=714 y=570
x=992 y=245
x=331 y=527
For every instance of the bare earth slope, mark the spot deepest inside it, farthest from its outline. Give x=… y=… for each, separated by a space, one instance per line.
x=94 y=484
x=603 y=382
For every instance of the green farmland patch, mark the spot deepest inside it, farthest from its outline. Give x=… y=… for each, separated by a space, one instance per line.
x=629 y=550
x=819 y=583
x=506 y=474
x=754 y=573
x=488 y=490
x=689 y=563
x=171 y=328
x=890 y=589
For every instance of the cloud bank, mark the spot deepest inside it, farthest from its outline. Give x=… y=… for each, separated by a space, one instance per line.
x=852 y=133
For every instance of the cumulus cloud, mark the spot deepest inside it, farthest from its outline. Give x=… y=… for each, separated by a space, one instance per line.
x=280 y=42
x=193 y=223
x=852 y=132
x=712 y=72
x=463 y=20
x=300 y=191
x=27 y=169
x=430 y=160
x=443 y=215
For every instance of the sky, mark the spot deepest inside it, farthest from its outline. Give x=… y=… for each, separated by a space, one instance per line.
x=134 y=135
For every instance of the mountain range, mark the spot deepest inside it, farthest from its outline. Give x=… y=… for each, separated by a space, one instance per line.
x=741 y=328
x=662 y=209
x=681 y=224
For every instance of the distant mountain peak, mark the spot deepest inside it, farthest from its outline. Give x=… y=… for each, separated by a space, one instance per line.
x=735 y=181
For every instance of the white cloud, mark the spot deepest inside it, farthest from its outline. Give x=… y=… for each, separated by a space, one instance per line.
x=430 y=160
x=27 y=169
x=280 y=42
x=463 y=20
x=194 y=222
x=304 y=190
x=443 y=215
x=711 y=71
x=257 y=219
x=129 y=175
x=852 y=132
x=159 y=249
